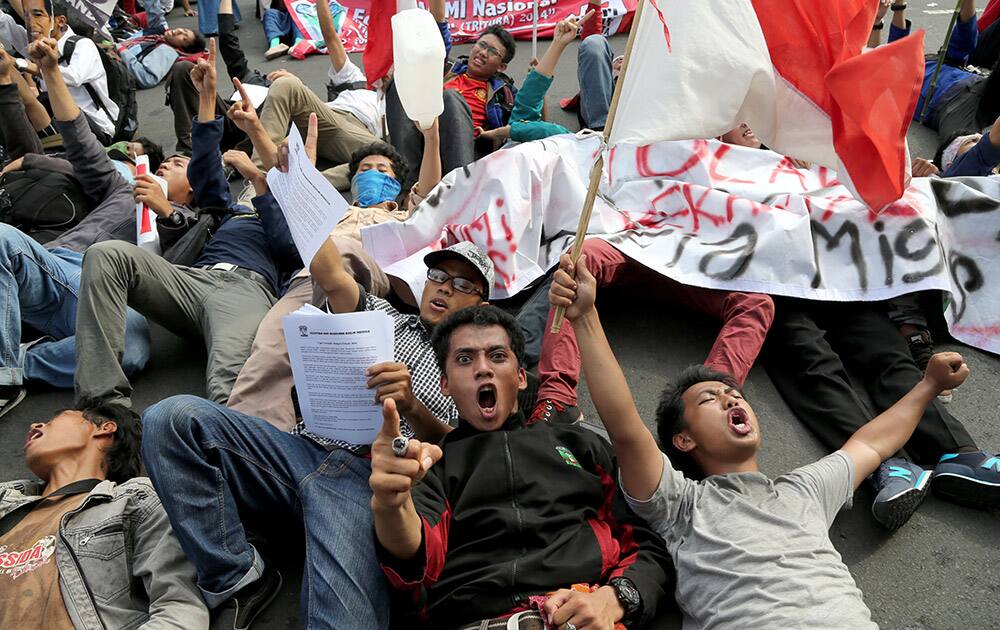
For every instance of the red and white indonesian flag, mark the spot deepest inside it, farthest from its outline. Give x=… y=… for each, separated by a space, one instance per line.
x=791 y=69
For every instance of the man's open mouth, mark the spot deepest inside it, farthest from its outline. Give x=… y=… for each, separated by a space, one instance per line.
x=439 y=304
x=739 y=421
x=34 y=433
x=487 y=399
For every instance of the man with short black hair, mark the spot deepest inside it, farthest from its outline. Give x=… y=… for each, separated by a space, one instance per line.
x=478 y=97
x=64 y=540
x=750 y=551
x=508 y=518
x=83 y=72
x=218 y=469
x=376 y=172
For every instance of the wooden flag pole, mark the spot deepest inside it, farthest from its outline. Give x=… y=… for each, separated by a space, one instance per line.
x=597 y=172
x=942 y=56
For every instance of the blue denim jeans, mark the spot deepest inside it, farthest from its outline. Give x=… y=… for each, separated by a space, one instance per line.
x=211 y=465
x=208 y=16
x=596 y=83
x=279 y=24
x=39 y=288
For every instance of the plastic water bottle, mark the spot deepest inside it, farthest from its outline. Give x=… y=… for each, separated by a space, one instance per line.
x=418 y=56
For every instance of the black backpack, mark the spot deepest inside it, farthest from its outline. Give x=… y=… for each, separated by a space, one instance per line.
x=121 y=90
x=42 y=204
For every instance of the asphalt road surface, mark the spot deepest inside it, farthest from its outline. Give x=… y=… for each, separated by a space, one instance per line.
x=940 y=571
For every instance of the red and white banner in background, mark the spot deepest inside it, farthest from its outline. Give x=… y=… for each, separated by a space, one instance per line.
x=719 y=216
x=469 y=17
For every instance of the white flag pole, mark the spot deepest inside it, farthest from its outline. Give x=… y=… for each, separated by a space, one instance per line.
x=534 y=29
x=598 y=170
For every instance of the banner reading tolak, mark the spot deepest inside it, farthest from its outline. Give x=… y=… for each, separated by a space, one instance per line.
x=715 y=215
x=470 y=17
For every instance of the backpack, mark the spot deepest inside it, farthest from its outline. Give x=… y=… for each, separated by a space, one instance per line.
x=121 y=90
x=503 y=96
x=42 y=204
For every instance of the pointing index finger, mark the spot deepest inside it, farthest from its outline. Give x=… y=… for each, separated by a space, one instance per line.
x=211 y=51
x=244 y=99
x=390 y=419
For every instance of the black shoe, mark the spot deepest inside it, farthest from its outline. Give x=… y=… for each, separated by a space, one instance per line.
x=247 y=604
x=556 y=413
x=10 y=396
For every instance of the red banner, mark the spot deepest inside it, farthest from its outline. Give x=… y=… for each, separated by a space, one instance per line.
x=470 y=17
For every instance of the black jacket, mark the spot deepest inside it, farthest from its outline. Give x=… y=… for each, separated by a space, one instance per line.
x=524 y=511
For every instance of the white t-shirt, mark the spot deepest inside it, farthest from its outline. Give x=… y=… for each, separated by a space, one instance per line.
x=84 y=68
x=755 y=553
x=366 y=105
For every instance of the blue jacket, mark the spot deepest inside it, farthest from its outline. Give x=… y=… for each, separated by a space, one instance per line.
x=257 y=240
x=963 y=43
x=979 y=160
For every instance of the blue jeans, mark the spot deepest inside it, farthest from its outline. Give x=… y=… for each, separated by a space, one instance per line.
x=211 y=465
x=208 y=16
x=40 y=288
x=596 y=83
x=279 y=24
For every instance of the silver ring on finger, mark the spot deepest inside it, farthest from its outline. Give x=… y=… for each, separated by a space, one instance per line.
x=399 y=446
x=570 y=626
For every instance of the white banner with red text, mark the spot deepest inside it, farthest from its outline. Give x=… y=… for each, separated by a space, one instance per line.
x=715 y=215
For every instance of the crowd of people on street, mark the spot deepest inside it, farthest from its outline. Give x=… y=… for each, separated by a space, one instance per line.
x=487 y=500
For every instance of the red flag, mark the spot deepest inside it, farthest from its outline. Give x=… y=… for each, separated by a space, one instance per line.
x=792 y=69
x=377 y=57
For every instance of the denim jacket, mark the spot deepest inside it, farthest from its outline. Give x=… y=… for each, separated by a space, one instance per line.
x=120 y=566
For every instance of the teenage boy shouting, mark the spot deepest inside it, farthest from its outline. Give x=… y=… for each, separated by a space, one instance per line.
x=749 y=551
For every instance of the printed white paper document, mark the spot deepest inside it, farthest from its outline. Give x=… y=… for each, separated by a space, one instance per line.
x=329 y=355
x=311 y=205
x=256 y=93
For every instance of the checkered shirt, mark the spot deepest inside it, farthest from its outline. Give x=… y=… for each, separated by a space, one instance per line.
x=412 y=347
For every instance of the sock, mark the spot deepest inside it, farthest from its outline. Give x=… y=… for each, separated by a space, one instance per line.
x=275 y=41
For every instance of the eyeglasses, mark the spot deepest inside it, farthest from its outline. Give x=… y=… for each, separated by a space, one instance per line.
x=490 y=50
x=462 y=285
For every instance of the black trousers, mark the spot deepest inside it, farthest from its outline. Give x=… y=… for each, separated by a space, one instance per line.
x=458 y=147
x=811 y=347
x=969 y=106
x=182 y=97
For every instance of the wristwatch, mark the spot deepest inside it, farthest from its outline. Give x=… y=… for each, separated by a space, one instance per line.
x=175 y=219
x=629 y=598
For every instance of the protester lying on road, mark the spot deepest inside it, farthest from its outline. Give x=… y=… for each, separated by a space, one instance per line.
x=351 y=120
x=566 y=550
x=88 y=544
x=970 y=153
x=244 y=264
x=749 y=551
x=477 y=94
x=215 y=465
x=807 y=354
x=264 y=386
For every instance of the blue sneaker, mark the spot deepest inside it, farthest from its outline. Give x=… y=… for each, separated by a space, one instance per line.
x=971 y=479
x=901 y=487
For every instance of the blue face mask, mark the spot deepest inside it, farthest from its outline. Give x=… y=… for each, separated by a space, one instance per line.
x=372 y=187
